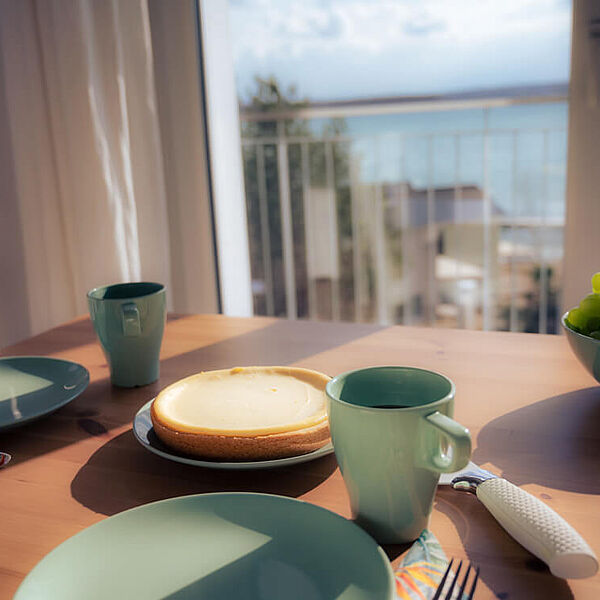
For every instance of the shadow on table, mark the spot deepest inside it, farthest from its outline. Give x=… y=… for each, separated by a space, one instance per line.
x=75 y=334
x=554 y=442
x=393 y=551
x=122 y=475
x=103 y=407
x=507 y=569
x=281 y=343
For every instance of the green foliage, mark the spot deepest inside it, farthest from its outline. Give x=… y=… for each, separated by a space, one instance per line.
x=268 y=97
x=529 y=314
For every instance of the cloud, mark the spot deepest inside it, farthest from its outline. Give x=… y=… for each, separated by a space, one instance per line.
x=423 y=24
x=312 y=25
x=309 y=40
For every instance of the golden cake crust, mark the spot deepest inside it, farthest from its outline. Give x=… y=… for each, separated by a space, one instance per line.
x=226 y=446
x=261 y=447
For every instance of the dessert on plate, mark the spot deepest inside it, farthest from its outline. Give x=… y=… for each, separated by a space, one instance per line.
x=244 y=413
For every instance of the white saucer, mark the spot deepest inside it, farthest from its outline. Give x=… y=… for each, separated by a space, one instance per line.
x=144 y=433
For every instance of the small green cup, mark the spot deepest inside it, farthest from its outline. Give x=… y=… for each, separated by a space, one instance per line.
x=129 y=319
x=393 y=435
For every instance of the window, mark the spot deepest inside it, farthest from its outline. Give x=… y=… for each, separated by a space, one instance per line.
x=405 y=162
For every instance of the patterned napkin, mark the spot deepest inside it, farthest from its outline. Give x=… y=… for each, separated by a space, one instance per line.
x=422 y=569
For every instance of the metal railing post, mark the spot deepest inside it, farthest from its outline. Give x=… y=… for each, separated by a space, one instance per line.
x=333 y=233
x=308 y=231
x=265 y=234
x=355 y=205
x=286 y=223
x=513 y=322
x=487 y=217
x=431 y=236
x=543 y=309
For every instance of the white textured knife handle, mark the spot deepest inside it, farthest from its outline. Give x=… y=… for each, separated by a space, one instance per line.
x=539 y=529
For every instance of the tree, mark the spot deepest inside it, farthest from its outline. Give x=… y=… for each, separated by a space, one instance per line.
x=268 y=97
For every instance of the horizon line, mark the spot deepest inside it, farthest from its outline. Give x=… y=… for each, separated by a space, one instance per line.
x=475 y=98
x=551 y=90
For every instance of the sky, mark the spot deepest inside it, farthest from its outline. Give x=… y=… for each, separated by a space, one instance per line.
x=341 y=49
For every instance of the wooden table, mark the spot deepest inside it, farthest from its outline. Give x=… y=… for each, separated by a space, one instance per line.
x=533 y=412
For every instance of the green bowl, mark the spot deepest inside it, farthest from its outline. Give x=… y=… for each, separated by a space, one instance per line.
x=585 y=348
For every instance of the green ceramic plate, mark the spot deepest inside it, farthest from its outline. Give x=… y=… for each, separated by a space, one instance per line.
x=34 y=386
x=216 y=547
x=144 y=433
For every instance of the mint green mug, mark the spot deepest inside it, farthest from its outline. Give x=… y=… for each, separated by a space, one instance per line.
x=393 y=435
x=129 y=319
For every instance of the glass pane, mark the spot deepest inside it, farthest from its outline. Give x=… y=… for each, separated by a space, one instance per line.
x=422 y=147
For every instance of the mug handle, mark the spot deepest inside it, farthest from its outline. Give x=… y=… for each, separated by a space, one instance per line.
x=460 y=444
x=131 y=319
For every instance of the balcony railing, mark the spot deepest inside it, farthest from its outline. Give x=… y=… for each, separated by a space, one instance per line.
x=455 y=228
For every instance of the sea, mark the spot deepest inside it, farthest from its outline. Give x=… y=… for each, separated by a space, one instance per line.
x=517 y=153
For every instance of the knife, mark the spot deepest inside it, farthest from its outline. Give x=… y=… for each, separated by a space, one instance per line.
x=531 y=522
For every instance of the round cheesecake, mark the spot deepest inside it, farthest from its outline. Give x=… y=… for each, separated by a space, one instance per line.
x=245 y=413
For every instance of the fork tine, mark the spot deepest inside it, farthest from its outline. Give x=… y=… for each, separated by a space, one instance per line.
x=474 y=583
x=449 y=594
x=464 y=583
x=443 y=581
x=460 y=595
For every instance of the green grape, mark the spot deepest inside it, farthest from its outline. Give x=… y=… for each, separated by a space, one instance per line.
x=593 y=324
x=577 y=319
x=590 y=305
x=595 y=334
x=596 y=283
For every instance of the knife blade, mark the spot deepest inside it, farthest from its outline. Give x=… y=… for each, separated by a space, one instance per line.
x=528 y=520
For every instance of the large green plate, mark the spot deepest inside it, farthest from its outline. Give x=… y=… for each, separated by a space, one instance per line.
x=34 y=386
x=144 y=434
x=229 y=546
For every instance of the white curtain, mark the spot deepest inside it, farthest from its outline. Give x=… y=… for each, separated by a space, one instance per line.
x=85 y=200
x=582 y=237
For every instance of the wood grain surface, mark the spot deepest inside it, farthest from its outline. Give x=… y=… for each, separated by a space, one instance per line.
x=533 y=411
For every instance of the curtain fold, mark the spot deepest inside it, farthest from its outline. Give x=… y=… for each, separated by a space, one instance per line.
x=84 y=136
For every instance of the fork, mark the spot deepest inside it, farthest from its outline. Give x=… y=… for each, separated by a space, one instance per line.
x=461 y=591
